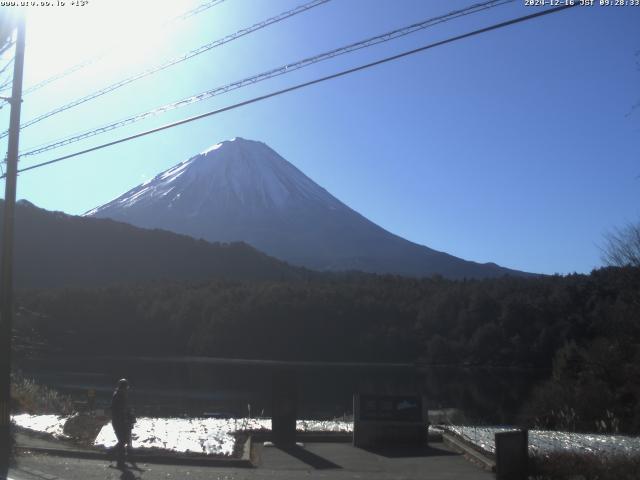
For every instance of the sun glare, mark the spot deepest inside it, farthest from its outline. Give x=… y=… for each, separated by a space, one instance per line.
x=68 y=32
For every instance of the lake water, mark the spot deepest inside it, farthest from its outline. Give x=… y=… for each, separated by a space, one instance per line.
x=192 y=386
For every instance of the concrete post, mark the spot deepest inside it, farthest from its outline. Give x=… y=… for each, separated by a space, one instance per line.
x=284 y=408
x=512 y=455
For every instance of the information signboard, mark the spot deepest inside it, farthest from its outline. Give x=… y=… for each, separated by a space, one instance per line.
x=384 y=420
x=393 y=408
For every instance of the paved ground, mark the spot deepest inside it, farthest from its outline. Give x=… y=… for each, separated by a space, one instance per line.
x=30 y=440
x=326 y=461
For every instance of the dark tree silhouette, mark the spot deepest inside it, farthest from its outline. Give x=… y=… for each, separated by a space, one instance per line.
x=622 y=247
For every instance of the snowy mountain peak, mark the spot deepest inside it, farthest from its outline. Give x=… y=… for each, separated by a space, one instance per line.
x=242 y=190
x=235 y=142
x=236 y=171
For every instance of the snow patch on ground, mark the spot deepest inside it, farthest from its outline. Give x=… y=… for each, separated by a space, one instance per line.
x=51 y=424
x=209 y=436
x=215 y=436
x=184 y=435
x=545 y=442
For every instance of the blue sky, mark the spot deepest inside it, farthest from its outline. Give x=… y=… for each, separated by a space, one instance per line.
x=516 y=146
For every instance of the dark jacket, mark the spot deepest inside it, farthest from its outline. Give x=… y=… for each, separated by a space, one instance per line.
x=121 y=416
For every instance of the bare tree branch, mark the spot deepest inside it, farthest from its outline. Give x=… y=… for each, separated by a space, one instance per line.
x=622 y=246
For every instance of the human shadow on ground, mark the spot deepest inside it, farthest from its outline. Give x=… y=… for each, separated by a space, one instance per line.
x=128 y=475
x=307 y=457
x=127 y=472
x=409 y=451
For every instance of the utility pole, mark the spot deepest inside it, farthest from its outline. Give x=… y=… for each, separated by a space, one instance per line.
x=6 y=278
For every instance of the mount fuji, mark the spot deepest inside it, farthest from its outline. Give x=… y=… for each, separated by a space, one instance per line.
x=242 y=190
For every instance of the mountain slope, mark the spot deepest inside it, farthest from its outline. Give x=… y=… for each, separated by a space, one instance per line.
x=53 y=249
x=242 y=190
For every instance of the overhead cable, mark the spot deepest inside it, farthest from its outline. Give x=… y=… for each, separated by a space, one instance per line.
x=7 y=46
x=284 y=69
x=305 y=84
x=174 y=61
x=6 y=65
x=199 y=9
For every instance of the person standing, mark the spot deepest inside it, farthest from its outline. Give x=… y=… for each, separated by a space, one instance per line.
x=122 y=420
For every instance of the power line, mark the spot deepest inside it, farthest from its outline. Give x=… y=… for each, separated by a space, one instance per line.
x=284 y=69
x=6 y=82
x=174 y=61
x=7 y=46
x=199 y=9
x=305 y=84
x=188 y=14
x=6 y=65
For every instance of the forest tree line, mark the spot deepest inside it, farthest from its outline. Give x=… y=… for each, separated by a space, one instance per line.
x=583 y=329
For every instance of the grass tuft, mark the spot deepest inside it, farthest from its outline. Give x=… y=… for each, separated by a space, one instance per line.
x=27 y=396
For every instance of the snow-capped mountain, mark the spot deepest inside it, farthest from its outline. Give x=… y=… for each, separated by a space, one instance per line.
x=242 y=190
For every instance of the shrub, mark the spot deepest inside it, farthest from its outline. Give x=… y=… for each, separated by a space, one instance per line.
x=593 y=388
x=29 y=397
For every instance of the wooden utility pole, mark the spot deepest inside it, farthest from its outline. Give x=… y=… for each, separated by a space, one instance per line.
x=6 y=278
